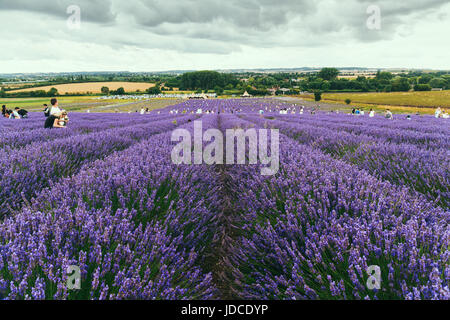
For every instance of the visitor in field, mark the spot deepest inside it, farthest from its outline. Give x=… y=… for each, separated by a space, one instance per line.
x=23 y=113
x=142 y=111
x=445 y=114
x=64 y=119
x=408 y=117
x=46 y=110
x=353 y=111
x=15 y=114
x=3 y=110
x=388 y=115
x=438 y=113
x=53 y=121
x=371 y=113
x=54 y=109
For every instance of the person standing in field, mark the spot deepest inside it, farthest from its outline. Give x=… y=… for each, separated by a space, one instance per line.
x=3 y=110
x=371 y=113
x=54 y=109
x=46 y=110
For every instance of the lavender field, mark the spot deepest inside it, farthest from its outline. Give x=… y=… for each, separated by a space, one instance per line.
x=104 y=195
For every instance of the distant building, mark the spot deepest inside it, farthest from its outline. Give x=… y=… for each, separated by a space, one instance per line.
x=272 y=91
x=246 y=95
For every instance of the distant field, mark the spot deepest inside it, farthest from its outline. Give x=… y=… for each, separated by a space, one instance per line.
x=414 y=99
x=93 y=87
x=68 y=103
x=84 y=103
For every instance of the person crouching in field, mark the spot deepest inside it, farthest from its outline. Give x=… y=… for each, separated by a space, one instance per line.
x=388 y=115
x=23 y=113
x=53 y=121
x=64 y=119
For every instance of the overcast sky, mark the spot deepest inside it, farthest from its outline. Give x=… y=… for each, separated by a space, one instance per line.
x=156 y=35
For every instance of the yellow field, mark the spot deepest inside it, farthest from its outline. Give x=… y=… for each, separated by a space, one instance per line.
x=92 y=87
x=431 y=99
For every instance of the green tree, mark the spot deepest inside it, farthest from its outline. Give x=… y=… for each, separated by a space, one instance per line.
x=53 y=92
x=317 y=96
x=348 y=101
x=328 y=73
x=384 y=75
x=426 y=78
x=105 y=91
x=401 y=84
x=422 y=87
x=438 y=83
x=326 y=86
x=154 y=90
x=120 y=91
x=218 y=90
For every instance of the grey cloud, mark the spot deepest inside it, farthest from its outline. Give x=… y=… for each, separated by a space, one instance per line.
x=99 y=11
x=218 y=29
x=263 y=23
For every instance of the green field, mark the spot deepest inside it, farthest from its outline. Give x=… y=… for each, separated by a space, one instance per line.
x=84 y=103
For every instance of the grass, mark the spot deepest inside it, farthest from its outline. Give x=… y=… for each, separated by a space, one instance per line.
x=84 y=103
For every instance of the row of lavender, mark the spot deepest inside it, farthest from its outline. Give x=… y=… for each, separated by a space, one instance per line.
x=27 y=170
x=409 y=162
x=311 y=232
x=19 y=133
x=138 y=227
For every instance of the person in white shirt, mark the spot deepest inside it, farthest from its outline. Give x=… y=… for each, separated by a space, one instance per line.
x=15 y=114
x=54 y=109
x=438 y=113
x=371 y=113
x=142 y=111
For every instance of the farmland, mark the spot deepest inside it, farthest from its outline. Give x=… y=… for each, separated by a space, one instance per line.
x=91 y=87
x=84 y=103
x=399 y=101
x=104 y=195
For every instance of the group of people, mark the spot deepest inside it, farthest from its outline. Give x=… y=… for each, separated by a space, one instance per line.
x=55 y=117
x=387 y=114
x=439 y=113
x=17 y=113
x=358 y=112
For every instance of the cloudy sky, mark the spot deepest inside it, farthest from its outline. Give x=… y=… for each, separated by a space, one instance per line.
x=156 y=35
